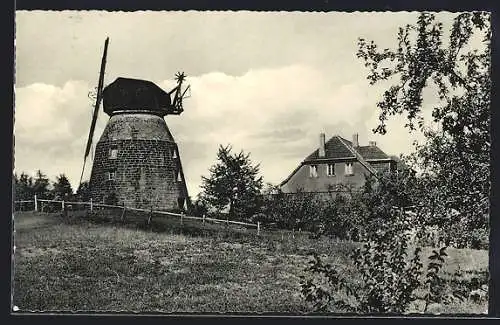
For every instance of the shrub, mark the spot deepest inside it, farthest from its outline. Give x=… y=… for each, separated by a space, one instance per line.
x=387 y=280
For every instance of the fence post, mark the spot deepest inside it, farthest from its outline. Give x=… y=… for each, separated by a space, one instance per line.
x=150 y=216
x=203 y=219
x=258 y=228
x=182 y=219
x=91 y=205
x=123 y=211
x=36 y=204
x=62 y=205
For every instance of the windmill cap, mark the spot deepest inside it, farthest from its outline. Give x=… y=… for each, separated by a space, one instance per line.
x=126 y=95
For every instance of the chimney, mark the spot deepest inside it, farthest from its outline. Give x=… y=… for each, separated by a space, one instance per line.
x=355 y=142
x=321 y=153
x=372 y=143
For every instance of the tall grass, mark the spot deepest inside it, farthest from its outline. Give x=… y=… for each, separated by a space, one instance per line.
x=73 y=264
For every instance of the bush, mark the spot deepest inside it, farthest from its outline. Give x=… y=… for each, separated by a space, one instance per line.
x=326 y=214
x=387 y=279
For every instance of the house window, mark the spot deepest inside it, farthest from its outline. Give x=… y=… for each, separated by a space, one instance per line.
x=174 y=154
x=330 y=170
x=348 y=169
x=113 y=153
x=111 y=175
x=313 y=171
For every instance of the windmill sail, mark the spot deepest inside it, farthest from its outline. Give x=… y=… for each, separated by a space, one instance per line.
x=97 y=104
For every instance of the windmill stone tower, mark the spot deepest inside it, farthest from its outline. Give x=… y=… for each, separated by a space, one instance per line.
x=136 y=160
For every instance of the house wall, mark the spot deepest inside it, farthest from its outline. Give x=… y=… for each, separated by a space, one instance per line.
x=301 y=179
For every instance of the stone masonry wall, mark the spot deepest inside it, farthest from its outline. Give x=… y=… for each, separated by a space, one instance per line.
x=146 y=173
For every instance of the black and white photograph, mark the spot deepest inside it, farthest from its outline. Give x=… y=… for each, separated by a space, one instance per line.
x=243 y=162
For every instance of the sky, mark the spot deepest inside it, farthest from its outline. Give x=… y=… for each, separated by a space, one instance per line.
x=266 y=83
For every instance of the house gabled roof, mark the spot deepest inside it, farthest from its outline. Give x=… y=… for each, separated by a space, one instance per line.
x=339 y=148
x=372 y=152
x=359 y=157
x=334 y=149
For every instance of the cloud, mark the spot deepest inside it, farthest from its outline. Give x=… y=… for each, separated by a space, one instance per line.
x=275 y=114
x=51 y=126
x=267 y=83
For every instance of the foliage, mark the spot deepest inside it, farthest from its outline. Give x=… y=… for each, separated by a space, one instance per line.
x=26 y=187
x=62 y=188
x=83 y=192
x=199 y=207
x=387 y=278
x=233 y=184
x=452 y=187
x=23 y=187
x=454 y=160
x=344 y=214
x=41 y=185
x=292 y=211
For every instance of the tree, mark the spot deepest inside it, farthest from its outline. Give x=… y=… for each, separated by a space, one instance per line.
x=23 y=187
x=384 y=278
x=454 y=160
x=62 y=188
x=453 y=183
x=41 y=185
x=83 y=191
x=199 y=207
x=233 y=184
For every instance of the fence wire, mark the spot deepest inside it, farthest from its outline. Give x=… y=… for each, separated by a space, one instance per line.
x=115 y=213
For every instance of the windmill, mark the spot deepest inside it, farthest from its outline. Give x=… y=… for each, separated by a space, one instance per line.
x=136 y=160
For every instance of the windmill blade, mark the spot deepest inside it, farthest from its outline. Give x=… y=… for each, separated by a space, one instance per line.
x=98 y=98
x=97 y=104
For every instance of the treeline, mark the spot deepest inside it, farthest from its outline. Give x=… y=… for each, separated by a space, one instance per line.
x=234 y=190
x=26 y=187
x=392 y=198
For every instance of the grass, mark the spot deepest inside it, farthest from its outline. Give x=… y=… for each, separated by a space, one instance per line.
x=73 y=264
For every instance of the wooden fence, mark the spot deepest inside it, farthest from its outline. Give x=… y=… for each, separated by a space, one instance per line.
x=64 y=205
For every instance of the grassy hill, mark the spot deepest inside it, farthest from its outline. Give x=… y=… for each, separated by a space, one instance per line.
x=79 y=265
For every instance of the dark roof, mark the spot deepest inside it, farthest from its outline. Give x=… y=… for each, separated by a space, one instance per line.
x=334 y=149
x=338 y=148
x=126 y=94
x=371 y=152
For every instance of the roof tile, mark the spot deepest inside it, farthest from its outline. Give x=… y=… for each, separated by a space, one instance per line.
x=334 y=149
x=371 y=152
